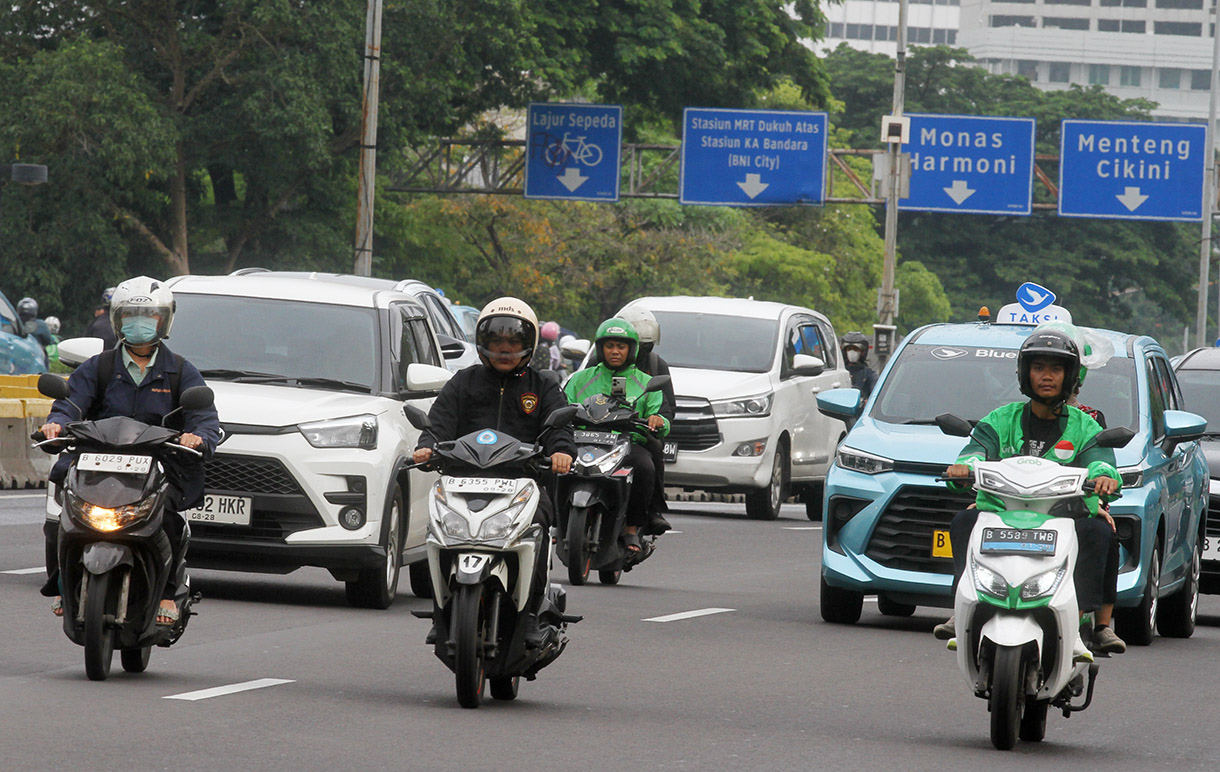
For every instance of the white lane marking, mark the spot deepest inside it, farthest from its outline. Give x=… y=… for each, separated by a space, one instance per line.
x=802 y=527
x=688 y=614
x=220 y=691
x=39 y=570
x=23 y=496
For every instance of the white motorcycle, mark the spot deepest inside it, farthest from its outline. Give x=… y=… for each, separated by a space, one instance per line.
x=481 y=548
x=1016 y=610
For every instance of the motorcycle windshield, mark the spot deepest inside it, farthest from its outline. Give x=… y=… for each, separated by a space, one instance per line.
x=121 y=432
x=488 y=448
x=600 y=409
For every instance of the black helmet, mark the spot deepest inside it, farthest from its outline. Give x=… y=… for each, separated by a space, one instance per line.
x=27 y=309
x=1054 y=344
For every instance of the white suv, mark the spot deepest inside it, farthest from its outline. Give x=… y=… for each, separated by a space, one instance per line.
x=746 y=375
x=311 y=372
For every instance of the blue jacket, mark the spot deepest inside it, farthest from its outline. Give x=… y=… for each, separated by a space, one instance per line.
x=149 y=402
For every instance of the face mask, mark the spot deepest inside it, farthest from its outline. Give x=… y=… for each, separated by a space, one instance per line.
x=139 y=329
x=853 y=355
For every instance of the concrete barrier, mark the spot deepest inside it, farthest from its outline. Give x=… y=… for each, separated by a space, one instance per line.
x=22 y=466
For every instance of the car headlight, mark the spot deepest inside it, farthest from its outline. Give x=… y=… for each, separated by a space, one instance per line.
x=502 y=524
x=1132 y=476
x=359 y=431
x=606 y=462
x=859 y=461
x=1044 y=583
x=747 y=407
x=106 y=519
x=988 y=581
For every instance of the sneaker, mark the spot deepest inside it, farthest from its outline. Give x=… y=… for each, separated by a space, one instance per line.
x=952 y=644
x=1107 y=641
x=1080 y=652
x=945 y=630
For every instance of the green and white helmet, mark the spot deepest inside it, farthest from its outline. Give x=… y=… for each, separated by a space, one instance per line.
x=615 y=328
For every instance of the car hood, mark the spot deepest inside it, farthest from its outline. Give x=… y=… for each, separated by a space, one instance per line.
x=255 y=404
x=904 y=442
x=718 y=384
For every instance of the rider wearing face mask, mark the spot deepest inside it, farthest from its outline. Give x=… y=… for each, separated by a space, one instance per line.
x=855 y=353
x=140 y=378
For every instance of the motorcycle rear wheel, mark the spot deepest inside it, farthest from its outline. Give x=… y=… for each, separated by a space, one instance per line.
x=505 y=688
x=1033 y=722
x=99 y=640
x=580 y=557
x=609 y=577
x=135 y=660
x=469 y=635
x=1007 y=697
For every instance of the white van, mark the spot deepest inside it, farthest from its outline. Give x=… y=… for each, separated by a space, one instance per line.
x=746 y=375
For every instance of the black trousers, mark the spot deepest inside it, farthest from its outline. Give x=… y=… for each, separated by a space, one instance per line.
x=1094 y=585
x=656 y=451
x=643 y=485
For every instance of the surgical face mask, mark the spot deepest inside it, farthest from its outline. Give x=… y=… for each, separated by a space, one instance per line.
x=853 y=356
x=139 y=329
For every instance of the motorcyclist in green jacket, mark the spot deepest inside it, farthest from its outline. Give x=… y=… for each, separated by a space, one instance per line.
x=1048 y=370
x=615 y=350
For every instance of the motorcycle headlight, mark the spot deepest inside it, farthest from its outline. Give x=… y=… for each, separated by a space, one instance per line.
x=606 y=462
x=502 y=524
x=749 y=407
x=359 y=431
x=1057 y=487
x=859 y=461
x=988 y=581
x=445 y=521
x=1044 y=584
x=109 y=520
x=995 y=483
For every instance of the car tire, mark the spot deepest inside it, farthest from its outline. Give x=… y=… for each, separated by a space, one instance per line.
x=1138 y=625
x=839 y=606
x=891 y=608
x=1181 y=610
x=376 y=587
x=812 y=497
x=765 y=503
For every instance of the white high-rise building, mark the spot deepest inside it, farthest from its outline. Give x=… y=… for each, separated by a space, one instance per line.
x=872 y=25
x=1156 y=49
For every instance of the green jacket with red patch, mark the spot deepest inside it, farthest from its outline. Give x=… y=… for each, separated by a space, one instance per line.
x=1001 y=434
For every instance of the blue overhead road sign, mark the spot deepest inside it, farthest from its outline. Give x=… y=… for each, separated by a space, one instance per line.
x=573 y=151
x=973 y=164
x=752 y=157
x=1132 y=171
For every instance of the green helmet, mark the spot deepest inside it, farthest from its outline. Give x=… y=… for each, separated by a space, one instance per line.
x=615 y=328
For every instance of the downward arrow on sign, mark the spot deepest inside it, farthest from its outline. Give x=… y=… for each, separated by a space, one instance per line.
x=572 y=179
x=753 y=185
x=1131 y=199
x=959 y=192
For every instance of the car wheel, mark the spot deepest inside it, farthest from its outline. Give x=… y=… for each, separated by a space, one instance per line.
x=1181 y=610
x=813 y=500
x=376 y=587
x=1138 y=625
x=420 y=578
x=764 y=504
x=892 y=608
x=841 y=607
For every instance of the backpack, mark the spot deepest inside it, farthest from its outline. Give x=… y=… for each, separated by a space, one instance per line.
x=105 y=374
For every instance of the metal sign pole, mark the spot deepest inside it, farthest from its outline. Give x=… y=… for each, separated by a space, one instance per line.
x=1209 y=188
x=887 y=310
x=363 y=263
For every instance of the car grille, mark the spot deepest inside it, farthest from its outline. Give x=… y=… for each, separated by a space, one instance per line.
x=902 y=539
x=264 y=526
x=1213 y=518
x=227 y=473
x=694 y=426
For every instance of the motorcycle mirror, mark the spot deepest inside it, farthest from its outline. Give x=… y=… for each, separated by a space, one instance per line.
x=53 y=386
x=561 y=417
x=418 y=418
x=953 y=425
x=658 y=382
x=1115 y=438
x=196 y=398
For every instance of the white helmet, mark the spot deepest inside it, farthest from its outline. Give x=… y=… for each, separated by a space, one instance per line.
x=142 y=297
x=644 y=323
x=52 y=324
x=506 y=317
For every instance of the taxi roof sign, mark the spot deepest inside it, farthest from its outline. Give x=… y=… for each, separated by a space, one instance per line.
x=1035 y=305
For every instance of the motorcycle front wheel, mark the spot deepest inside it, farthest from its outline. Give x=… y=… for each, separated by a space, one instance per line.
x=99 y=640
x=470 y=635
x=579 y=554
x=1007 y=697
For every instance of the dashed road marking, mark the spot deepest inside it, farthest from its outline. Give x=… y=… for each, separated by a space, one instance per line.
x=689 y=614
x=802 y=527
x=23 y=496
x=220 y=691
x=18 y=571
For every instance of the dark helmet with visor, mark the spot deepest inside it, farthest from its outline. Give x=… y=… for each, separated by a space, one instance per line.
x=1050 y=344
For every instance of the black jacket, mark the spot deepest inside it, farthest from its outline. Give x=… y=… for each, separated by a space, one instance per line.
x=652 y=364
x=481 y=398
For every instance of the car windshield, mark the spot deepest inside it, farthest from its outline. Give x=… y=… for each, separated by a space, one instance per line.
x=238 y=337
x=915 y=389
x=8 y=315
x=1201 y=395
x=715 y=342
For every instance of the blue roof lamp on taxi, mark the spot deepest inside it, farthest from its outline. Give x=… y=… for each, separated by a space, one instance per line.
x=887 y=517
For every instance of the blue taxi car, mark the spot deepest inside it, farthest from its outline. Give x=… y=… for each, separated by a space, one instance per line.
x=20 y=353
x=886 y=517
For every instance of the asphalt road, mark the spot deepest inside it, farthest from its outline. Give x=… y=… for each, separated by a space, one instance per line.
x=760 y=683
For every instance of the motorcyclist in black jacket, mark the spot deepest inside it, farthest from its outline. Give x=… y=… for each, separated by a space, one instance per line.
x=855 y=354
x=651 y=363
x=505 y=394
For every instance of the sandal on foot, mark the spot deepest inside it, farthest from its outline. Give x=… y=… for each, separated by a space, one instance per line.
x=57 y=606
x=632 y=542
x=167 y=615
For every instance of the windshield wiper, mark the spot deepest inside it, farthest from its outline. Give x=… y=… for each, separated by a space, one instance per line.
x=918 y=422
x=332 y=383
x=243 y=376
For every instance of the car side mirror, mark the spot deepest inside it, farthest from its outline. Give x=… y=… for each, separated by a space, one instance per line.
x=577 y=348
x=417 y=418
x=804 y=364
x=1116 y=437
x=1181 y=426
x=74 y=352
x=954 y=426
x=843 y=404
x=426 y=378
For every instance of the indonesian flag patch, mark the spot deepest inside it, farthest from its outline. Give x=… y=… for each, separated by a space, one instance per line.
x=529 y=402
x=1064 y=450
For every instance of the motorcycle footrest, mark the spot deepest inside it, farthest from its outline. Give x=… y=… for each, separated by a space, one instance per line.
x=570 y=618
x=422 y=613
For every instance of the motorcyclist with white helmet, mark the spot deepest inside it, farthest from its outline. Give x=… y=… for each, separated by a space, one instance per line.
x=505 y=394
x=648 y=361
x=140 y=379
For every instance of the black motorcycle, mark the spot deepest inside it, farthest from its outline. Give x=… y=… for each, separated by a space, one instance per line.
x=592 y=500
x=114 y=557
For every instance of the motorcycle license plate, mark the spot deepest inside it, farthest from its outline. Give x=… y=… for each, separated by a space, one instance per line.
x=586 y=437
x=1018 y=541
x=113 y=462
x=226 y=510
x=669 y=451
x=480 y=485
